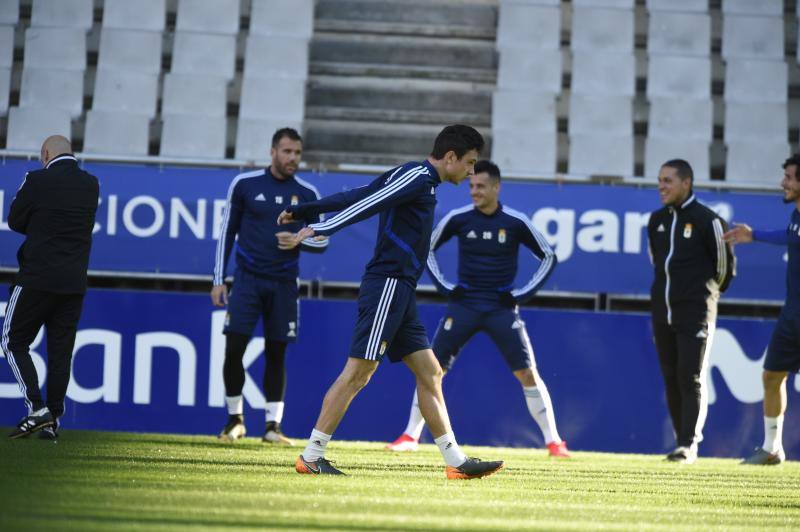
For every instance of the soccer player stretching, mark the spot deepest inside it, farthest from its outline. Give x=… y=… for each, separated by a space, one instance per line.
x=489 y=235
x=388 y=324
x=783 y=353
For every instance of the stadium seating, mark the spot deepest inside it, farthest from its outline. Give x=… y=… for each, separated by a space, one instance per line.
x=611 y=115
x=268 y=57
x=198 y=95
x=659 y=150
x=5 y=88
x=6 y=46
x=748 y=80
x=523 y=112
x=530 y=26
x=55 y=48
x=204 y=54
x=9 y=12
x=272 y=99
x=142 y=15
x=126 y=92
x=603 y=73
x=253 y=137
x=678 y=77
x=131 y=50
x=757 y=122
x=193 y=136
x=53 y=89
x=292 y=18
x=602 y=30
x=684 y=6
x=28 y=126
x=689 y=119
x=208 y=16
x=78 y=14
x=116 y=133
x=524 y=153
x=772 y=8
x=756 y=161
x=752 y=37
x=600 y=154
x=617 y=4
x=679 y=34
x=534 y=70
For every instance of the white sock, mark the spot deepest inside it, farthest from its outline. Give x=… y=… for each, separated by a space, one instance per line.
x=275 y=411
x=541 y=409
x=773 y=434
x=316 y=446
x=415 y=420
x=235 y=405
x=449 y=449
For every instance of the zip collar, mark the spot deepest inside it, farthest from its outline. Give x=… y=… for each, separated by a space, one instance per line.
x=61 y=158
x=691 y=199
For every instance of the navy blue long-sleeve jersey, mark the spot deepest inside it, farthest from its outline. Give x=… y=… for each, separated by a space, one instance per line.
x=790 y=237
x=488 y=253
x=255 y=199
x=405 y=197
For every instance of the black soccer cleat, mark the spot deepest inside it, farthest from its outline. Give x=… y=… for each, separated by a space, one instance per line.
x=762 y=457
x=274 y=434
x=473 y=468
x=49 y=433
x=31 y=424
x=320 y=466
x=234 y=429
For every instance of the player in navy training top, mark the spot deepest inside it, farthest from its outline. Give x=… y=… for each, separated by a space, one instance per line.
x=484 y=299
x=783 y=353
x=388 y=324
x=265 y=282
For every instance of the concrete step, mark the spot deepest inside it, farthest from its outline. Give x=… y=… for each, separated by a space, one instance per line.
x=412 y=17
x=396 y=116
x=381 y=70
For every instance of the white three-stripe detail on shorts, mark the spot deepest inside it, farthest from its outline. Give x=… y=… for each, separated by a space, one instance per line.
x=384 y=304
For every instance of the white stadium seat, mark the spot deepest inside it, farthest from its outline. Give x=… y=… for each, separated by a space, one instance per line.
x=55 y=48
x=600 y=154
x=533 y=70
x=5 y=89
x=77 y=14
x=132 y=50
x=524 y=153
x=611 y=115
x=772 y=8
x=264 y=99
x=528 y=26
x=60 y=89
x=198 y=95
x=751 y=80
x=29 y=126
x=599 y=73
x=208 y=16
x=142 y=15
x=756 y=162
x=616 y=4
x=660 y=150
x=111 y=133
x=515 y=109
x=293 y=18
x=602 y=30
x=678 y=77
x=757 y=122
x=253 y=137
x=752 y=36
x=268 y=57
x=686 y=6
x=679 y=34
x=204 y=55
x=6 y=46
x=9 y=12
x=128 y=92
x=194 y=136
x=688 y=119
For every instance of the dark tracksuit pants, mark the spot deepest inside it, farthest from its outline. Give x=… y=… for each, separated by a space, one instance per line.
x=27 y=310
x=683 y=350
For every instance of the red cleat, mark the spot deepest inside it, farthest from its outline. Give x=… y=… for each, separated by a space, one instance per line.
x=404 y=443
x=558 y=450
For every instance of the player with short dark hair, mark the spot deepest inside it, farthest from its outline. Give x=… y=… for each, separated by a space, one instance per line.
x=388 y=324
x=693 y=265
x=265 y=282
x=484 y=299
x=783 y=353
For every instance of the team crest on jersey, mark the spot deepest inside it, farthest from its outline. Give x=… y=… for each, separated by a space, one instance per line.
x=487 y=235
x=472 y=234
x=448 y=324
x=279 y=200
x=295 y=200
x=501 y=236
x=384 y=345
x=687 y=231
x=227 y=319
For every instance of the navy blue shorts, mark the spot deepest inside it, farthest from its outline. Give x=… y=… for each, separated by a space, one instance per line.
x=388 y=324
x=783 y=353
x=504 y=327
x=253 y=298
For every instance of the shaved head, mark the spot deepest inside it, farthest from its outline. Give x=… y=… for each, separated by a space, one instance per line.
x=54 y=146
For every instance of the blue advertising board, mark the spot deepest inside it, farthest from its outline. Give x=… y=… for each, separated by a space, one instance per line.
x=165 y=220
x=152 y=362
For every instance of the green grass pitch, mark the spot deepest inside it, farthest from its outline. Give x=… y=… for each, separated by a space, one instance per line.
x=102 y=481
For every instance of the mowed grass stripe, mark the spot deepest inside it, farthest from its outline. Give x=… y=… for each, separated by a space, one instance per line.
x=145 y=481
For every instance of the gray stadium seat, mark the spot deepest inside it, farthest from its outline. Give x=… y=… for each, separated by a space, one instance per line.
x=524 y=111
x=264 y=99
x=616 y=4
x=112 y=133
x=600 y=155
x=602 y=30
x=528 y=26
x=679 y=34
x=132 y=50
x=534 y=70
x=125 y=92
x=143 y=15
x=9 y=12
x=684 y=118
x=772 y=8
x=686 y=6
x=77 y=14
x=208 y=16
x=757 y=122
x=611 y=115
x=525 y=153
x=6 y=46
x=658 y=151
x=598 y=73
x=756 y=162
x=194 y=95
x=194 y=136
x=253 y=137
x=750 y=80
x=267 y=56
x=5 y=89
x=752 y=36
x=29 y=126
x=294 y=18
x=204 y=55
x=678 y=77
x=56 y=48
x=60 y=89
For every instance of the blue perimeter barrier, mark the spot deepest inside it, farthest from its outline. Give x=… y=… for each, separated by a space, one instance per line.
x=151 y=362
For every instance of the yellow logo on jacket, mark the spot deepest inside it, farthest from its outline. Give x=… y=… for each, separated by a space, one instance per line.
x=501 y=236
x=384 y=345
x=295 y=200
x=687 y=231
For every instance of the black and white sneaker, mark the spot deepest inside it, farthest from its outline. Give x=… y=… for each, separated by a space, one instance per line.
x=49 y=433
x=32 y=423
x=274 y=434
x=683 y=455
x=234 y=429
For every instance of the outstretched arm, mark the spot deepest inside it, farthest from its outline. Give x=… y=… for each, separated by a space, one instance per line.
x=743 y=234
x=722 y=253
